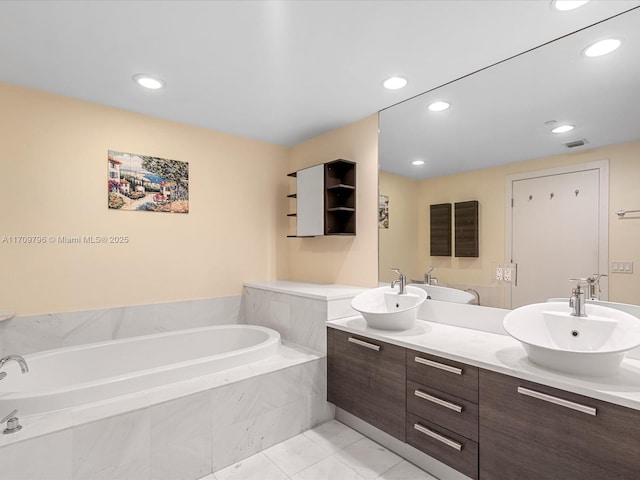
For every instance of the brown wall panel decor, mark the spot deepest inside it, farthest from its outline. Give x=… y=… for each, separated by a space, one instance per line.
x=466 y=229
x=440 y=220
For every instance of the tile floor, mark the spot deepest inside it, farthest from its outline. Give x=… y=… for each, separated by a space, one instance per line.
x=331 y=451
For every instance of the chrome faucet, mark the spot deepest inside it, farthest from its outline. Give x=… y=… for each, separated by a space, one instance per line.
x=576 y=302
x=402 y=280
x=594 y=286
x=16 y=358
x=430 y=279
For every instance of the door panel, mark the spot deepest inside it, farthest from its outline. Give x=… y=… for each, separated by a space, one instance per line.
x=555 y=225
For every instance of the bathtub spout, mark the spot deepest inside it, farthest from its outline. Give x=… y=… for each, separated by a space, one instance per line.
x=16 y=358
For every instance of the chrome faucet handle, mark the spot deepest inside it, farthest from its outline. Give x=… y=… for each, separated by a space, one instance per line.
x=13 y=423
x=431 y=268
x=402 y=280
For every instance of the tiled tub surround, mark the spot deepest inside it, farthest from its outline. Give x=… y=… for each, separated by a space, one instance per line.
x=297 y=310
x=33 y=333
x=183 y=430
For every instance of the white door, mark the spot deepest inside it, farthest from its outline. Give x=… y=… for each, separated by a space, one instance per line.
x=556 y=233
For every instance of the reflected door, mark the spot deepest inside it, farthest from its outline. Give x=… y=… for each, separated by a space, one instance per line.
x=555 y=236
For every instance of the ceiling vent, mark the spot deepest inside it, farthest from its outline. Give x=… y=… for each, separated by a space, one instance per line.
x=576 y=143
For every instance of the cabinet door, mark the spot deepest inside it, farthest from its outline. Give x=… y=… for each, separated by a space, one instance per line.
x=531 y=431
x=310 y=201
x=367 y=379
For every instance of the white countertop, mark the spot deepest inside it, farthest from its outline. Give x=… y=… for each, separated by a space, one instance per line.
x=502 y=354
x=316 y=291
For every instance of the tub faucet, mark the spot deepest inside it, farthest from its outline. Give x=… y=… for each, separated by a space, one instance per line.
x=402 y=280
x=15 y=358
x=576 y=302
x=430 y=279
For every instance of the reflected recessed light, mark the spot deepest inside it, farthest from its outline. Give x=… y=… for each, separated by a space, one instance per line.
x=566 y=5
x=563 y=129
x=602 y=47
x=438 y=106
x=148 y=81
x=394 y=83
x=417 y=162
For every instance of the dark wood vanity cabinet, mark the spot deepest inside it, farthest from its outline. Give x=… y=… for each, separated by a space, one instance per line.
x=367 y=379
x=531 y=431
x=484 y=424
x=442 y=410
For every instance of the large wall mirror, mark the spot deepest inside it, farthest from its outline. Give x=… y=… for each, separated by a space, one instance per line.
x=498 y=132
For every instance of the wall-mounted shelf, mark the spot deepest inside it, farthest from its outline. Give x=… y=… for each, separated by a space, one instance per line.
x=326 y=199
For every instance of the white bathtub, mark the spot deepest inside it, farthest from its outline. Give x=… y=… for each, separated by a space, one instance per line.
x=73 y=376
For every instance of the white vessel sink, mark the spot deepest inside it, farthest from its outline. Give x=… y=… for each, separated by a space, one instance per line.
x=446 y=294
x=591 y=345
x=384 y=308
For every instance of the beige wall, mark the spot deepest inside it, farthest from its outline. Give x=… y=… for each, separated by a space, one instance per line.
x=53 y=182
x=488 y=187
x=399 y=245
x=350 y=260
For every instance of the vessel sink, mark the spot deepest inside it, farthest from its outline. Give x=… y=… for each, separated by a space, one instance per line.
x=446 y=294
x=591 y=345
x=385 y=309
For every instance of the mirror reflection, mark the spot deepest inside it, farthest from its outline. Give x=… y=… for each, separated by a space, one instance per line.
x=495 y=143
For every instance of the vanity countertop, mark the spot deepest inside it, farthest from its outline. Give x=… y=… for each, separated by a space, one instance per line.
x=502 y=354
x=316 y=291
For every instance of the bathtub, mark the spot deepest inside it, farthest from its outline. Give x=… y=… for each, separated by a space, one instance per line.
x=73 y=376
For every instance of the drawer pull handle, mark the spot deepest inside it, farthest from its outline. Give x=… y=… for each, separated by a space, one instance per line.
x=441 y=366
x=439 y=401
x=558 y=401
x=364 y=344
x=437 y=436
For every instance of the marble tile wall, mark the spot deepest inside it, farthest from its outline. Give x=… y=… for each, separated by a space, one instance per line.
x=186 y=438
x=299 y=319
x=28 y=334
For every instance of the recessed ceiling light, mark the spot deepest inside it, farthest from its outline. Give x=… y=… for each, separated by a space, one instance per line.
x=602 y=47
x=148 y=81
x=566 y=5
x=438 y=106
x=394 y=83
x=417 y=162
x=563 y=129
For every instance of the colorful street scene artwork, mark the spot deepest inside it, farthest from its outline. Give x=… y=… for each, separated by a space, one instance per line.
x=149 y=184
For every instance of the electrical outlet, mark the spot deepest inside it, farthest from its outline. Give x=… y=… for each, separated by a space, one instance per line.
x=499 y=273
x=506 y=269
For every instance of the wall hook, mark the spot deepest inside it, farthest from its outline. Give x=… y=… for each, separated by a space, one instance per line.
x=552 y=195
x=530 y=197
x=577 y=192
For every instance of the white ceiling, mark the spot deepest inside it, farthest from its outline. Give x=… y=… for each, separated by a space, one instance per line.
x=277 y=71
x=499 y=115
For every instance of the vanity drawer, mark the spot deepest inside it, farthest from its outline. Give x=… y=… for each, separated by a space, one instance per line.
x=455 y=450
x=442 y=374
x=367 y=378
x=453 y=413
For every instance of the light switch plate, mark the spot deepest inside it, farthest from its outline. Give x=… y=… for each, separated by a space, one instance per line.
x=621 y=267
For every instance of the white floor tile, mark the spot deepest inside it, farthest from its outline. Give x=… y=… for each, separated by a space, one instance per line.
x=328 y=469
x=295 y=454
x=333 y=435
x=368 y=458
x=257 y=467
x=406 y=471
